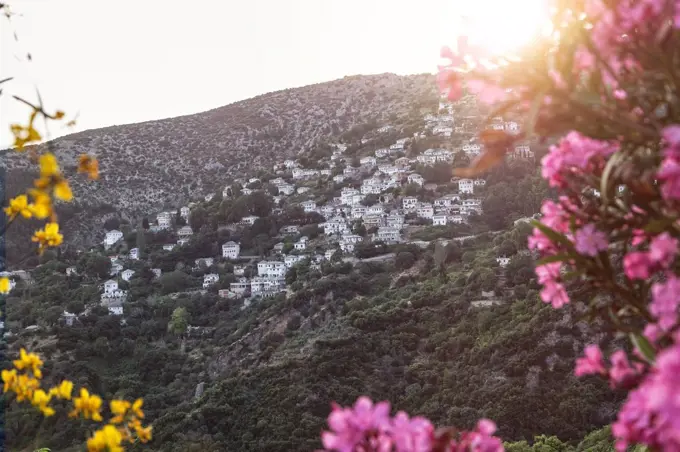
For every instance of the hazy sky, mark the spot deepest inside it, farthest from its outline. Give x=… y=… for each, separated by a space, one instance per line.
x=117 y=62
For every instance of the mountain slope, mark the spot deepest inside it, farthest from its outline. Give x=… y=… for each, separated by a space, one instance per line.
x=167 y=162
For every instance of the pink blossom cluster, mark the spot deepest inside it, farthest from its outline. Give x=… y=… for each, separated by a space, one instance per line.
x=616 y=23
x=651 y=414
x=642 y=264
x=669 y=173
x=574 y=155
x=367 y=427
x=621 y=373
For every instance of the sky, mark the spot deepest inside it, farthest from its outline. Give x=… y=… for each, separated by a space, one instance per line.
x=135 y=60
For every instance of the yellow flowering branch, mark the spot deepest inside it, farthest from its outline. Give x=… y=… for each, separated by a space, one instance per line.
x=125 y=424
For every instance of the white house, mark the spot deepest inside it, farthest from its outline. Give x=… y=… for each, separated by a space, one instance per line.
x=127 y=274
x=250 y=219
x=115 y=310
x=184 y=212
x=375 y=209
x=479 y=182
x=466 y=186
x=210 y=279
x=336 y=225
x=164 y=222
x=502 y=261
x=68 y=318
x=181 y=242
x=368 y=161
x=439 y=220
x=271 y=269
x=308 y=206
x=185 y=232
x=286 y=189
x=247 y=191
x=351 y=238
x=409 y=202
x=231 y=250
x=156 y=272
x=293 y=259
x=442 y=130
x=456 y=219
x=358 y=212
x=388 y=235
x=346 y=247
x=472 y=150
x=339 y=179
x=395 y=221
x=326 y=172
x=112 y=237
x=302 y=190
x=289 y=163
x=523 y=151
x=169 y=247
x=209 y=197
x=239 y=270
x=301 y=244
x=328 y=254
x=110 y=286
x=290 y=230
x=380 y=153
x=134 y=253
x=416 y=178
x=240 y=287
x=347 y=195
x=425 y=210
x=71 y=271
x=350 y=171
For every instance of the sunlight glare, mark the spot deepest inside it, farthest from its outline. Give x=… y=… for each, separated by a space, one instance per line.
x=501 y=27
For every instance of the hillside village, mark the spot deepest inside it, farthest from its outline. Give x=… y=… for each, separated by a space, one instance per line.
x=382 y=200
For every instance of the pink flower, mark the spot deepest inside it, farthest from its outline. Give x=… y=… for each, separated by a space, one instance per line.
x=411 y=435
x=486 y=92
x=662 y=250
x=671 y=137
x=572 y=156
x=669 y=174
x=480 y=439
x=639 y=237
x=362 y=423
x=621 y=372
x=636 y=265
x=651 y=414
x=590 y=241
x=620 y=94
x=591 y=363
x=665 y=301
x=553 y=292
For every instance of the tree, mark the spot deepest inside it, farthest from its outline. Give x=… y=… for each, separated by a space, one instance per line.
x=179 y=321
x=197 y=218
x=404 y=260
x=145 y=223
x=112 y=223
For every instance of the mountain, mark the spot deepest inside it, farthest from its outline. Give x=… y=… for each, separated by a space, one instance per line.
x=168 y=162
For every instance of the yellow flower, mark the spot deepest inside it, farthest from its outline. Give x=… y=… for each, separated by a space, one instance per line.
x=106 y=439
x=48 y=165
x=63 y=391
x=143 y=433
x=25 y=386
x=41 y=207
x=25 y=134
x=29 y=361
x=119 y=408
x=40 y=400
x=4 y=285
x=9 y=377
x=62 y=190
x=19 y=205
x=137 y=409
x=49 y=236
x=89 y=165
x=87 y=405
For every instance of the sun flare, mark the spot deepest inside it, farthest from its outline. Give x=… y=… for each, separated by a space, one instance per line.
x=501 y=27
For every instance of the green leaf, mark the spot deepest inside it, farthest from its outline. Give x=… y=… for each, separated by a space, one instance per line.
x=606 y=174
x=554 y=258
x=552 y=234
x=644 y=347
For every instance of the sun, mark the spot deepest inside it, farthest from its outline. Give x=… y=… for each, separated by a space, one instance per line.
x=502 y=27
